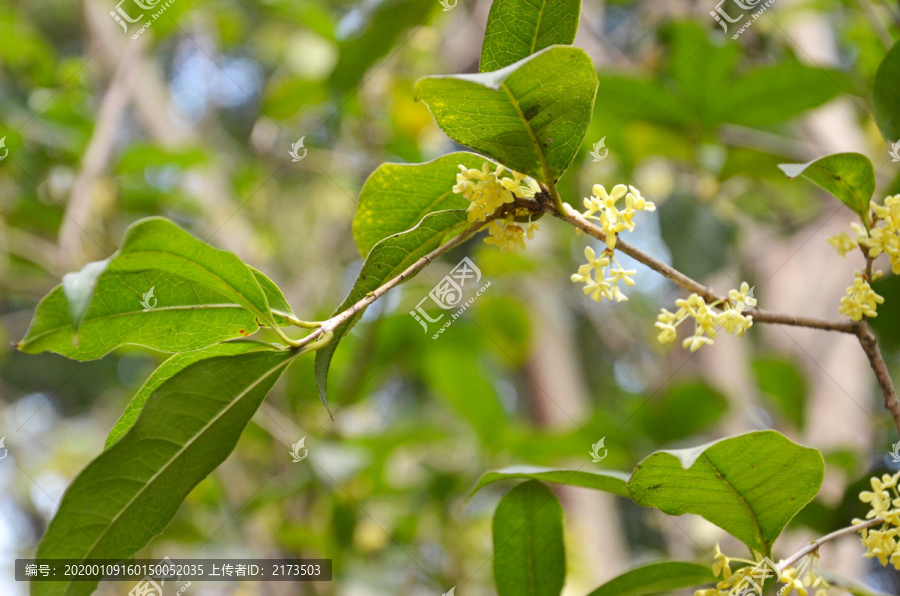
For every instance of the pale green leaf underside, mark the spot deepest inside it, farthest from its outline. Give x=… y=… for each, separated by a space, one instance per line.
x=397 y=196
x=166 y=371
x=529 y=553
x=187 y=316
x=848 y=176
x=751 y=485
x=606 y=480
x=530 y=116
x=129 y=493
x=387 y=259
x=655 y=578
x=518 y=28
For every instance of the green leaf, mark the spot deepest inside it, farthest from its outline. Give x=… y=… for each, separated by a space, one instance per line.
x=530 y=116
x=397 y=196
x=200 y=296
x=658 y=577
x=517 y=29
x=169 y=369
x=187 y=316
x=848 y=176
x=686 y=409
x=782 y=383
x=129 y=493
x=529 y=554
x=750 y=485
x=387 y=259
x=605 y=480
x=278 y=304
x=886 y=95
x=747 y=99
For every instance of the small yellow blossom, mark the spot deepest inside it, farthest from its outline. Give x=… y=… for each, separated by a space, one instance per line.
x=842 y=243
x=721 y=564
x=707 y=320
x=506 y=234
x=860 y=299
x=611 y=219
x=488 y=190
x=600 y=279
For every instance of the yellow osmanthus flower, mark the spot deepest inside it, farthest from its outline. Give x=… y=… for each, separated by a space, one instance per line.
x=881 y=543
x=707 y=320
x=487 y=191
x=860 y=299
x=843 y=243
x=600 y=279
x=752 y=577
x=611 y=219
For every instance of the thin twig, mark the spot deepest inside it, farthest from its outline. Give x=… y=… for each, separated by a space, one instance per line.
x=860 y=329
x=342 y=317
x=814 y=546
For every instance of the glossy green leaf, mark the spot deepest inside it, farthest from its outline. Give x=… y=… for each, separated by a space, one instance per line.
x=529 y=554
x=750 y=485
x=187 y=316
x=517 y=29
x=397 y=196
x=281 y=311
x=197 y=296
x=848 y=176
x=531 y=116
x=886 y=95
x=654 y=578
x=169 y=369
x=606 y=480
x=129 y=493
x=387 y=259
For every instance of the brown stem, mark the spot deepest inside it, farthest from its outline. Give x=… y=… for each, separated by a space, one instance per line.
x=814 y=546
x=859 y=329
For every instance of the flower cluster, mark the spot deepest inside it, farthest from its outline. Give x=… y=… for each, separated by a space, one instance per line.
x=508 y=235
x=487 y=191
x=708 y=320
x=883 y=236
x=611 y=219
x=884 y=500
x=751 y=578
x=860 y=299
x=600 y=279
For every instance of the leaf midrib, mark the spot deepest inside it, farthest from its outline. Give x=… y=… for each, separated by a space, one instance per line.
x=545 y=165
x=743 y=501
x=215 y=419
x=537 y=28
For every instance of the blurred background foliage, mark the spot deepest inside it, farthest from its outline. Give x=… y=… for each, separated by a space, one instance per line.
x=194 y=121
